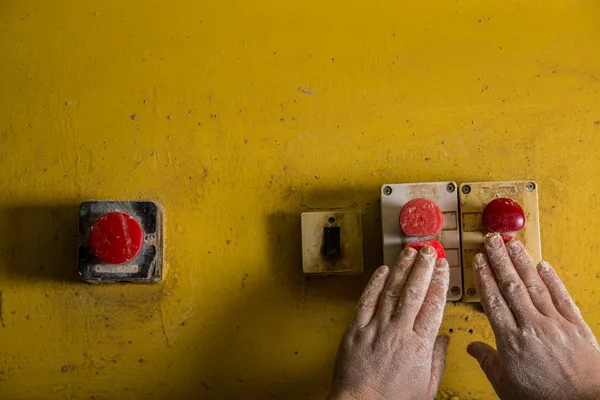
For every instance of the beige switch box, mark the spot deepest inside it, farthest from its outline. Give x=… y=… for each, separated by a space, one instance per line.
x=473 y=197
x=332 y=242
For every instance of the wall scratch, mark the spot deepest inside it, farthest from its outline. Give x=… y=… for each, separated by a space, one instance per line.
x=306 y=91
x=164 y=328
x=2 y=311
x=138 y=165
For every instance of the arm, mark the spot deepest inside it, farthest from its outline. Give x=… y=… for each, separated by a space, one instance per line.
x=545 y=348
x=391 y=349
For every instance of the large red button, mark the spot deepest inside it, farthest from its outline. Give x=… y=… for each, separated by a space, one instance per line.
x=116 y=238
x=421 y=217
x=503 y=216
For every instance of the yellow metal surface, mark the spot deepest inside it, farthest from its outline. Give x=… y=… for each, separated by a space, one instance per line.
x=237 y=116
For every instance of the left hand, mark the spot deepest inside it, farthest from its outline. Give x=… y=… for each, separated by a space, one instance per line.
x=391 y=349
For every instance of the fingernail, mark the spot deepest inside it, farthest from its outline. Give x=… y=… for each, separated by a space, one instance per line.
x=447 y=338
x=428 y=251
x=409 y=252
x=513 y=246
x=494 y=240
x=383 y=270
x=544 y=267
x=478 y=261
x=441 y=263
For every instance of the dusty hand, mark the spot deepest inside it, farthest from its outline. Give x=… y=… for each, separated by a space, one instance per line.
x=545 y=349
x=391 y=349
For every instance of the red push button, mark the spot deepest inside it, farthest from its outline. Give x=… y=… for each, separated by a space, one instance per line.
x=421 y=217
x=116 y=238
x=439 y=249
x=503 y=216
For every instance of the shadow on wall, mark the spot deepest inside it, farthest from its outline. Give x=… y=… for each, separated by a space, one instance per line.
x=276 y=340
x=268 y=351
x=286 y=242
x=39 y=243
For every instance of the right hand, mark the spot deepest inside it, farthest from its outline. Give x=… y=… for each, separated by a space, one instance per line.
x=545 y=350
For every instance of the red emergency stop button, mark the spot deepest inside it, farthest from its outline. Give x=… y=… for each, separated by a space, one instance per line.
x=116 y=238
x=421 y=217
x=503 y=216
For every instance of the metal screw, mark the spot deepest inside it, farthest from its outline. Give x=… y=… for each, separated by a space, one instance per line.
x=530 y=186
x=387 y=190
x=450 y=188
x=466 y=189
x=455 y=290
x=471 y=291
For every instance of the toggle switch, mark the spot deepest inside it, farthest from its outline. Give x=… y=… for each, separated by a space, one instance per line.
x=332 y=241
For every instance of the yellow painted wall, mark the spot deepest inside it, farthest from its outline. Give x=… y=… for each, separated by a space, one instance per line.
x=248 y=113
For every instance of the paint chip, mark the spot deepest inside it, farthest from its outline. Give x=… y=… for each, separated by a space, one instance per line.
x=132 y=116
x=306 y=91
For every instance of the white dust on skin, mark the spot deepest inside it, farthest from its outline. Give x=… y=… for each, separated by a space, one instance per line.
x=436 y=298
x=508 y=279
x=518 y=253
x=366 y=300
x=494 y=301
x=546 y=357
x=420 y=276
x=388 y=358
x=549 y=274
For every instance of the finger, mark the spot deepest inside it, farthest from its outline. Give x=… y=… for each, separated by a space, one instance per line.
x=494 y=305
x=540 y=296
x=560 y=296
x=429 y=319
x=438 y=364
x=510 y=283
x=367 y=304
x=487 y=357
x=414 y=292
x=395 y=283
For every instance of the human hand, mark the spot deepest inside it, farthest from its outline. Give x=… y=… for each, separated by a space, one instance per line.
x=391 y=349
x=545 y=348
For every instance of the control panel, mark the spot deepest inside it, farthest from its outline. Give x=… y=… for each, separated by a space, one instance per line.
x=509 y=208
x=417 y=214
x=120 y=241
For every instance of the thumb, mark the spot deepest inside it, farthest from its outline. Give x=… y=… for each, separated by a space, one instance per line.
x=487 y=357
x=438 y=363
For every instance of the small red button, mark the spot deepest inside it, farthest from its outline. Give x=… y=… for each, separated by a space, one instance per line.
x=503 y=216
x=116 y=238
x=421 y=217
x=439 y=249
